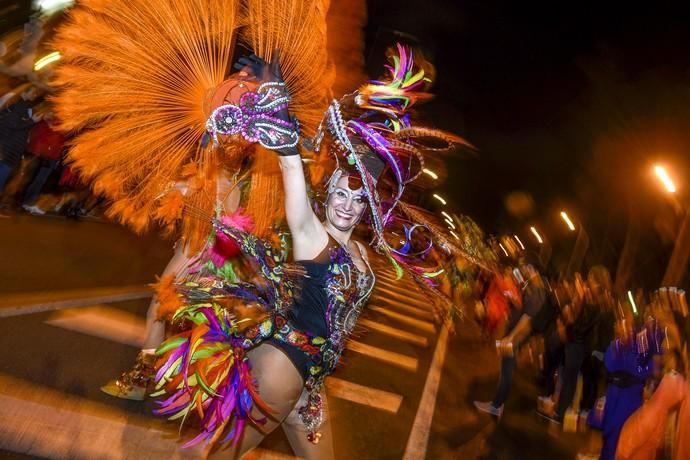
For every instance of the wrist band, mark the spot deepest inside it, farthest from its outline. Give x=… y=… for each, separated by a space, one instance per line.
x=256 y=118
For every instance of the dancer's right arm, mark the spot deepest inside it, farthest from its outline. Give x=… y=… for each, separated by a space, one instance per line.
x=307 y=231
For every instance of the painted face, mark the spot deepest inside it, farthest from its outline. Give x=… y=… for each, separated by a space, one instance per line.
x=345 y=206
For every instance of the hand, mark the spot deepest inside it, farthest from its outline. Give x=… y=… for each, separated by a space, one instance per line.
x=505 y=346
x=260 y=69
x=271 y=73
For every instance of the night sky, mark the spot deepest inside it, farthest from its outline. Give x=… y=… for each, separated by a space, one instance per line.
x=570 y=102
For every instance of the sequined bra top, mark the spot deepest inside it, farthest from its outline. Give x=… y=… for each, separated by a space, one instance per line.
x=328 y=299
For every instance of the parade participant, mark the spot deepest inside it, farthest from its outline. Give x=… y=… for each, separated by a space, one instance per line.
x=629 y=362
x=139 y=96
x=244 y=374
x=313 y=303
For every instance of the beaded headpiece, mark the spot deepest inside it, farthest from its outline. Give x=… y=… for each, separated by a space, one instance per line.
x=372 y=131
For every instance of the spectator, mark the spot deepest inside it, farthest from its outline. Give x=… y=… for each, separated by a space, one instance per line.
x=47 y=145
x=15 y=122
x=518 y=327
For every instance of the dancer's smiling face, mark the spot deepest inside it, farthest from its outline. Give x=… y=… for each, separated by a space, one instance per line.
x=346 y=203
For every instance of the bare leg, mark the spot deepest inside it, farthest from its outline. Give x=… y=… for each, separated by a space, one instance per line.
x=297 y=434
x=280 y=386
x=155 y=327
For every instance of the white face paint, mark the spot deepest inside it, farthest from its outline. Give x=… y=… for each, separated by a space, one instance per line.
x=345 y=206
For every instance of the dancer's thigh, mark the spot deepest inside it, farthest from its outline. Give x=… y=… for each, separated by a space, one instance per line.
x=280 y=386
x=297 y=434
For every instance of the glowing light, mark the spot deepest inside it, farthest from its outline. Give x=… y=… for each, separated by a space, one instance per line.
x=430 y=173
x=446 y=215
x=632 y=302
x=51 y=6
x=567 y=220
x=503 y=249
x=519 y=242
x=456 y=236
x=665 y=179
x=450 y=223
x=47 y=59
x=440 y=198
x=536 y=235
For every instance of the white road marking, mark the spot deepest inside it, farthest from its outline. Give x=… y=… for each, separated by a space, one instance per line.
x=265 y=454
x=390 y=357
x=379 y=399
x=37 y=302
x=419 y=436
x=104 y=322
x=393 y=332
x=423 y=325
x=39 y=421
x=404 y=308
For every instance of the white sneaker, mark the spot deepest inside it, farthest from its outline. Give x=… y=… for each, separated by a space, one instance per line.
x=489 y=408
x=33 y=209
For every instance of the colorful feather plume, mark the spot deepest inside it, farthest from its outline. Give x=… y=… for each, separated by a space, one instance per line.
x=404 y=87
x=205 y=371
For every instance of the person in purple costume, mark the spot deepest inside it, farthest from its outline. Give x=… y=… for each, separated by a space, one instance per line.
x=629 y=362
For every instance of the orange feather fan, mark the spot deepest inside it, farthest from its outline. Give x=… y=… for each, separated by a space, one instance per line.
x=140 y=78
x=135 y=85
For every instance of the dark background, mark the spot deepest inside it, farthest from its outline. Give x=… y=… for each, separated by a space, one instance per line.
x=571 y=102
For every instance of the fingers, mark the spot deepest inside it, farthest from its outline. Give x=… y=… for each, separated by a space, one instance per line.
x=275 y=65
x=254 y=62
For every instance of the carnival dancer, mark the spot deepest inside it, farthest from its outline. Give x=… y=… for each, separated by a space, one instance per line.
x=137 y=84
x=314 y=303
x=243 y=374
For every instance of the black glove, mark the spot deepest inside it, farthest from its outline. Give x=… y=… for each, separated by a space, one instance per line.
x=269 y=72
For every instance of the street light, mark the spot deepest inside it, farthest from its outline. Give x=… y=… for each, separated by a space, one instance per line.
x=632 y=302
x=446 y=215
x=450 y=223
x=455 y=235
x=440 y=198
x=47 y=59
x=536 y=235
x=519 y=242
x=567 y=220
x=665 y=179
x=430 y=173
x=503 y=249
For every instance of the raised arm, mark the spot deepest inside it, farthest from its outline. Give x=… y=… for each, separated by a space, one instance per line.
x=301 y=219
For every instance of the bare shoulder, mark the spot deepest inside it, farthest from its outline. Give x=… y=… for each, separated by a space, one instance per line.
x=362 y=250
x=308 y=244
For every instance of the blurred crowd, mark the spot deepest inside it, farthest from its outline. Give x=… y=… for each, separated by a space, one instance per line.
x=33 y=175
x=613 y=366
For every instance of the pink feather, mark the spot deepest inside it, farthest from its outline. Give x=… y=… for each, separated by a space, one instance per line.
x=225 y=247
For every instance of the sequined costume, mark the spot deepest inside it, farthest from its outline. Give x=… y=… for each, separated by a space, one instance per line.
x=313 y=305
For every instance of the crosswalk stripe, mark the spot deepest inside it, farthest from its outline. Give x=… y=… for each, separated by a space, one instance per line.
x=360 y=394
x=42 y=422
x=408 y=297
x=104 y=322
x=407 y=288
x=423 y=325
x=393 y=332
x=390 y=357
x=403 y=308
x=265 y=454
x=37 y=302
x=418 y=441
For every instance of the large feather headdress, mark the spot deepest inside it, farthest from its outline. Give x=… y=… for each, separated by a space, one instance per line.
x=138 y=82
x=372 y=132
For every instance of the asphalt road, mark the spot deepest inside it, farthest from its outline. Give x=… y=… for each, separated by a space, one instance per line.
x=54 y=362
